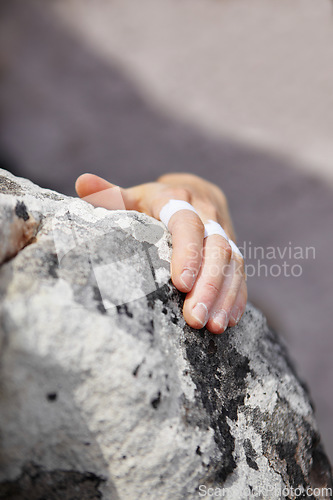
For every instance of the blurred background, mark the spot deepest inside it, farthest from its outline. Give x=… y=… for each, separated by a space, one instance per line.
x=238 y=92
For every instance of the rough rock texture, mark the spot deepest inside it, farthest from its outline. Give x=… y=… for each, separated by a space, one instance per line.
x=106 y=393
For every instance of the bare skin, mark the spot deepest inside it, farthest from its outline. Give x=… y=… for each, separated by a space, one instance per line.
x=206 y=269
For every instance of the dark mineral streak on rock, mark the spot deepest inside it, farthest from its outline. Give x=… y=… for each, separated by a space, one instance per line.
x=52 y=396
x=167 y=294
x=320 y=476
x=37 y=483
x=53 y=264
x=124 y=309
x=288 y=451
x=250 y=454
x=147 y=246
x=155 y=402
x=216 y=365
x=98 y=298
x=279 y=439
x=21 y=211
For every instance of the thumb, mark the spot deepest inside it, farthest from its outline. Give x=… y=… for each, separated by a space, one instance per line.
x=101 y=193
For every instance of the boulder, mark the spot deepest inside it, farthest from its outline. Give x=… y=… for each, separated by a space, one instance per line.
x=106 y=392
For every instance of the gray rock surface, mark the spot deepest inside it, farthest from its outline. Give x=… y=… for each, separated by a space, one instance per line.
x=101 y=86
x=107 y=393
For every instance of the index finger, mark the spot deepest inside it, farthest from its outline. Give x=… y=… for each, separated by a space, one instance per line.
x=187 y=230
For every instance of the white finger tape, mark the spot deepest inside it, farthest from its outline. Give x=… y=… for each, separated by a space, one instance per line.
x=172 y=207
x=235 y=249
x=213 y=227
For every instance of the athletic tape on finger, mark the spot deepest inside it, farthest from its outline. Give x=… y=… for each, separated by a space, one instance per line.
x=172 y=207
x=213 y=227
x=235 y=249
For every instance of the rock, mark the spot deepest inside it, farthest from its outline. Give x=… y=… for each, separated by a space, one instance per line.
x=106 y=393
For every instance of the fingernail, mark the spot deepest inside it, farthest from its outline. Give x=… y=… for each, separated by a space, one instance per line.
x=239 y=315
x=236 y=315
x=200 y=313
x=187 y=278
x=220 y=318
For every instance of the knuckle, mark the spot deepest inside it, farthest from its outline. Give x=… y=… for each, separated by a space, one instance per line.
x=192 y=261
x=218 y=253
x=227 y=250
x=193 y=221
x=224 y=199
x=220 y=197
x=180 y=193
x=209 y=209
x=240 y=267
x=212 y=212
x=211 y=288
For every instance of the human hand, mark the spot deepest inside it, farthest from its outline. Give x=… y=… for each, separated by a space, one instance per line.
x=206 y=269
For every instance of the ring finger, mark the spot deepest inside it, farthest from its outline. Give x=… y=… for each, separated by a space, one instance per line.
x=199 y=302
